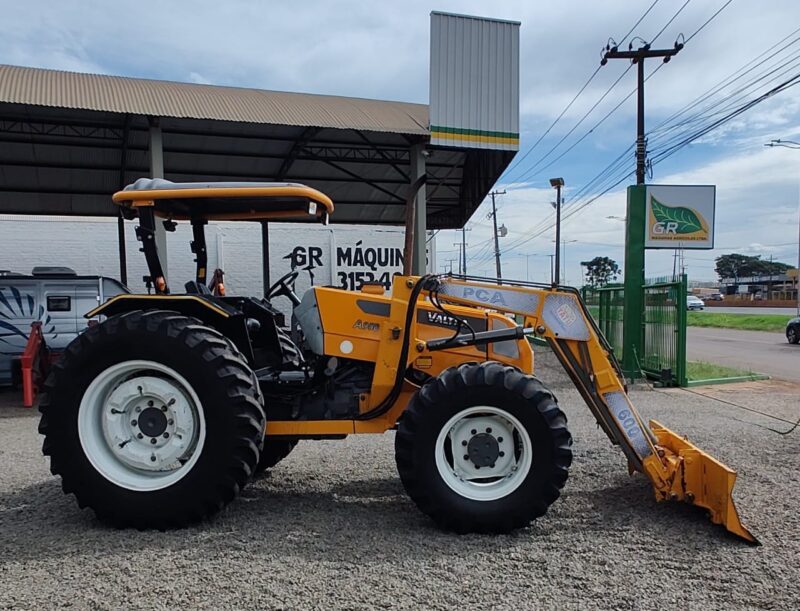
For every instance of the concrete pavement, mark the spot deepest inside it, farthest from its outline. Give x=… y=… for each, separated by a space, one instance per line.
x=758 y=351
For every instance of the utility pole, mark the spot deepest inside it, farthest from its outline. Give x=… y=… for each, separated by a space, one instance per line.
x=557 y=183
x=462 y=264
x=633 y=306
x=496 y=234
x=769 y=286
x=458 y=245
x=637 y=57
x=674 y=264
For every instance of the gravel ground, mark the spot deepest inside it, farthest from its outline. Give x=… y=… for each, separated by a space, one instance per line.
x=331 y=527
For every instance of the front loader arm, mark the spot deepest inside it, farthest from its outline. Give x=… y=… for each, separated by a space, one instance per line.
x=676 y=468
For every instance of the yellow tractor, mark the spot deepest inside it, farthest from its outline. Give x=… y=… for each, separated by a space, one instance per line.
x=159 y=415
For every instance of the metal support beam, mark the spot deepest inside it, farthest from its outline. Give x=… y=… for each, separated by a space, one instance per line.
x=265 y=256
x=123 y=166
x=157 y=171
x=297 y=147
x=419 y=262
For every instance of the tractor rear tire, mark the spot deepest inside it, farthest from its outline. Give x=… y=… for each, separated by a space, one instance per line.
x=152 y=419
x=273 y=452
x=483 y=448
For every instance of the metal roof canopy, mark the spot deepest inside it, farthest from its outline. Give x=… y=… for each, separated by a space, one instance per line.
x=70 y=140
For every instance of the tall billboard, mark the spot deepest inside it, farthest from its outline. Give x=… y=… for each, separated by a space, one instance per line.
x=679 y=216
x=474 y=88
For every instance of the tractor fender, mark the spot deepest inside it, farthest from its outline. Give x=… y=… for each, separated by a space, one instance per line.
x=213 y=312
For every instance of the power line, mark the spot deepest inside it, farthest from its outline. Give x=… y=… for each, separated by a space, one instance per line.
x=612 y=172
x=518 y=161
x=709 y=20
x=530 y=172
x=728 y=102
x=744 y=107
x=624 y=38
x=553 y=124
x=666 y=25
x=607 y=172
x=728 y=80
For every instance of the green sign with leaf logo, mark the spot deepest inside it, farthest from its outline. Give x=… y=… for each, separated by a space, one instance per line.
x=679 y=216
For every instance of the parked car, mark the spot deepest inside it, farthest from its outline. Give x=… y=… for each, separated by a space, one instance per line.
x=793 y=331
x=57 y=297
x=716 y=297
x=694 y=303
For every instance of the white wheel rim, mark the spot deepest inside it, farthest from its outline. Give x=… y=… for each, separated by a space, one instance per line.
x=473 y=437
x=141 y=425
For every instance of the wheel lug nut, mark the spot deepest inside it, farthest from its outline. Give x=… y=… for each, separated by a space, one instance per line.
x=152 y=459
x=466 y=456
x=166 y=435
x=501 y=454
x=163 y=408
x=463 y=443
x=474 y=432
x=488 y=429
x=170 y=421
x=139 y=436
x=134 y=422
x=153 y=440
x=499 y=440
x=149 y=404
x=491 y=466
x=138 y=409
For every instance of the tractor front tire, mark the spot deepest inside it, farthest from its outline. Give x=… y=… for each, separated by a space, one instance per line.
x=273 y=452
x=483 y=448
x=152 y=419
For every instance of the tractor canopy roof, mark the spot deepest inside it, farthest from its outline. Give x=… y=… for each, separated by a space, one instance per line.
x=226 y=201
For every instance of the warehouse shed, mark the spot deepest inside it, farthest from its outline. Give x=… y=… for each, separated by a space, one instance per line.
x=68 y=141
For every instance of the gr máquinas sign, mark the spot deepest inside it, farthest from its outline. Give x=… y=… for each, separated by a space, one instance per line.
x=679 y=216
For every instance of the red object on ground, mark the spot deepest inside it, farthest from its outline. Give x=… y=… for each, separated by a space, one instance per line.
x=35 y=361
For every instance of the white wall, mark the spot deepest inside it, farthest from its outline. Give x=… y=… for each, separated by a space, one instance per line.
x=348 y=254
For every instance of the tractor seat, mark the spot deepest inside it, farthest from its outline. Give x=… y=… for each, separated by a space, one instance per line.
x=196 y=288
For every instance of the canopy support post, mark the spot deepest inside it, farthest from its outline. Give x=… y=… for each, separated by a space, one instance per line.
x=265 y=256
x=420 y=217
x=123 y=166
x=157 y=171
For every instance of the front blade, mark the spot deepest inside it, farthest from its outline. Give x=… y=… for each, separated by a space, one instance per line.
x=701 y=480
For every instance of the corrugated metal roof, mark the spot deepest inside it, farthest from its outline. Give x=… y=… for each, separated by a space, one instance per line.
x=20 y=85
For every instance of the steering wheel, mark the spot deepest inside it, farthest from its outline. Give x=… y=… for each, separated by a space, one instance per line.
x=284 y=287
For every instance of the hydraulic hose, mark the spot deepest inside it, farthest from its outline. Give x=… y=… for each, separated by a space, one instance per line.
x=385 y=405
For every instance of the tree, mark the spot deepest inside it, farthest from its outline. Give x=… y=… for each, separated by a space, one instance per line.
x=600 y=271
x=735 y=266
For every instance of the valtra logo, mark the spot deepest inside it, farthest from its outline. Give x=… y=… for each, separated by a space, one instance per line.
x=675 y=223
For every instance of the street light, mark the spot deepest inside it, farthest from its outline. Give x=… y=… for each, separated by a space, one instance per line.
x=528 y=265
x=617 y=218
x=791 y=144
x=557 y=183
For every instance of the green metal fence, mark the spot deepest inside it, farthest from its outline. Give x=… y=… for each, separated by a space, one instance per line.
x=663 y=326
x=605 y=304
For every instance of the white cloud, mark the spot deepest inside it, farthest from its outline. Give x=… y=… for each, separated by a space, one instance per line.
x=380 y=49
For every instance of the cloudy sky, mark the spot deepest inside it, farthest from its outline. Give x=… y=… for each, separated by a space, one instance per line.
x=380 y=50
